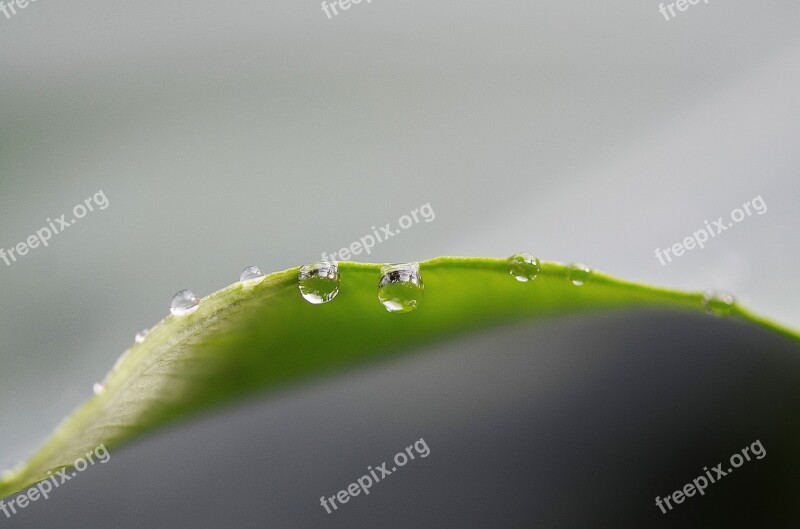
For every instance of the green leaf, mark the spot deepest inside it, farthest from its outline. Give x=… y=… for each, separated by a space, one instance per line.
x=243 y=339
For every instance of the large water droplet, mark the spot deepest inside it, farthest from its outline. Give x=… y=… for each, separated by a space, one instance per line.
x=141 y=335
x=319 y=282
x=250 y=274
x=184 y=302
x=524 y=267
x=400 y=288
x=98 y=388
x=718 y=303
x=578 y=273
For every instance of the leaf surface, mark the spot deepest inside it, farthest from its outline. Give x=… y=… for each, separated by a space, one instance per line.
x=244 y=339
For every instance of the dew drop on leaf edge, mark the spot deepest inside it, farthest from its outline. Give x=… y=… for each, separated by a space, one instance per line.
x=141 y=335
x=400 y=288
x=718 y=303
x=578 y=274
x=524 y=267
x=183 y=303
x=250 y=274
x=318 y=282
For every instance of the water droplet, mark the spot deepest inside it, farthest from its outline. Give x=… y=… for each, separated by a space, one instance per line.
x=141 y=335
x=524 y=267
x=319 y=282
x=13 y=471
x=184 y=302
x=250 y=274
x=578 y=273
x=718 y=303
x=98 y=388
x=400 y=288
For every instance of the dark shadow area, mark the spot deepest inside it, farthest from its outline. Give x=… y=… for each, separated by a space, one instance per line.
x=578 y=422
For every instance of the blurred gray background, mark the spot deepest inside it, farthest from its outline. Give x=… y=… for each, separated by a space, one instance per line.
x=571 y=423
x=226 y=135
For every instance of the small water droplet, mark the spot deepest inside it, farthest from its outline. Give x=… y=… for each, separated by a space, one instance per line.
x=400 y=288
x=13 y=471
x=319 y=282
x=250 y=274
x=184 y=302
x=141 y=335
x=98 y=388
x=718 y=303
x=524 y=266
x=578 y=273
